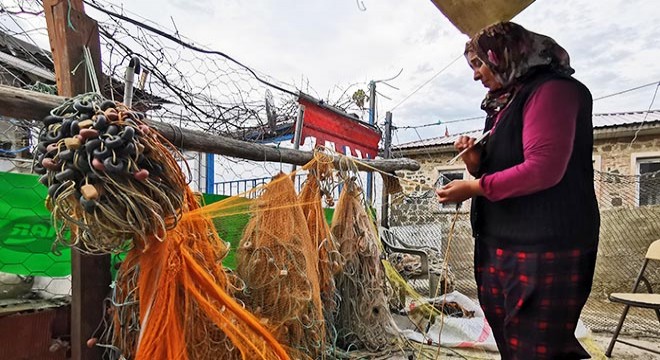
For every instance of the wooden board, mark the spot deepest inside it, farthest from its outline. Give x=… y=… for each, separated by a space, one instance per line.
x=470 y=16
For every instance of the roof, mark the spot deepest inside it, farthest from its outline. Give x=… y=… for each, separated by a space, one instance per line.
x=28 y=57
x=25 y=51
x=600 y=121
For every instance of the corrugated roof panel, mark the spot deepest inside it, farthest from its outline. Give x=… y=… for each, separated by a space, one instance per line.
x=616 y=119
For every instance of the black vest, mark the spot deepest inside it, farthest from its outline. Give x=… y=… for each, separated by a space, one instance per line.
x=562 y=217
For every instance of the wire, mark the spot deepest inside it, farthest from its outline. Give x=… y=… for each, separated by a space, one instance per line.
x=426 y=82
x=655 y=93
x=627 y=90
x=187 y=45
x=439 y=122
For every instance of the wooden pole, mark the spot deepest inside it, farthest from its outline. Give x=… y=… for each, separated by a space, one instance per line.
x=25 y=104
x=69 y=30
x=387 y=153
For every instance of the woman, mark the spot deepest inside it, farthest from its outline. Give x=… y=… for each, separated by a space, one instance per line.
x=534 y=212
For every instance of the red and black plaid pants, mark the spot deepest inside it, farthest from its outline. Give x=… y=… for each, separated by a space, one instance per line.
x=532 y=300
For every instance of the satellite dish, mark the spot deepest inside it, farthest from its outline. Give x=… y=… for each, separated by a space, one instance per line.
x=271 y=116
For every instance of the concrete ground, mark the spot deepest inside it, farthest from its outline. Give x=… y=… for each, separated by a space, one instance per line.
x=596 y=346
x=625 y=352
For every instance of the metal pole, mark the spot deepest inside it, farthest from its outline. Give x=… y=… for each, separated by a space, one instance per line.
x=297 y=135
x=129 y=78
x=387 y=153
x=372 y=120
x=210 y=174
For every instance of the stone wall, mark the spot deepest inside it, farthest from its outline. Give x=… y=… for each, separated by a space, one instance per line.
x=615 y=155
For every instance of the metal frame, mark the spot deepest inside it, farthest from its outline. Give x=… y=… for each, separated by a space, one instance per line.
x=393 y=244
x=640 y=279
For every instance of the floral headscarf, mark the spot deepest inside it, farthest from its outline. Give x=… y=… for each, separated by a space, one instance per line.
x=512 y=52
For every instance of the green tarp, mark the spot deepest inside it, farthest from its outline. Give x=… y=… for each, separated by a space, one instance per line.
x=26 y=234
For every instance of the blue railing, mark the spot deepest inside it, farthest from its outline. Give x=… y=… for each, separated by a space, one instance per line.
x=236 y=187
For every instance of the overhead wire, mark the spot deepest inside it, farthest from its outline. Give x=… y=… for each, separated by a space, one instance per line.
x=187 y=45
x=627 y=90
x=655 y=93
x=459 y=120
x=440 y=122
x=426 y=82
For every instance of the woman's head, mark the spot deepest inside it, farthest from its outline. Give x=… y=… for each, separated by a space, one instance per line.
x=482 y=72
x=507 y=51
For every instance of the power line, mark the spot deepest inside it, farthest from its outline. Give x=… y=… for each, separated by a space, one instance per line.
x=657 y=82
x=646 y=115
x=426 y=82
x=187 y=45
x=440 y=122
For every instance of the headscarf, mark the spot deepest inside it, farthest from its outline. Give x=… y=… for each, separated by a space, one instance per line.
x=513 y=53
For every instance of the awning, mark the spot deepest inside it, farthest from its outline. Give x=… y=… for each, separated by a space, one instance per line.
x=470 y=16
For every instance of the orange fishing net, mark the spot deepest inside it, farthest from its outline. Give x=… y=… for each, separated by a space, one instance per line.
x=320 y=171
x=279 y=263
x=300 y=288
x=186 y=311
x=118 y=184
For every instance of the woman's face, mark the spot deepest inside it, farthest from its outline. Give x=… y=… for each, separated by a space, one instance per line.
x=482 y=73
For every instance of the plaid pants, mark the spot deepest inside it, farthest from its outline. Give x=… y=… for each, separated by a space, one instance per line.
x=533 y=300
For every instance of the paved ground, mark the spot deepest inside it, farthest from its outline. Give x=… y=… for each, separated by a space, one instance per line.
x=596 y=345
x=625 y=352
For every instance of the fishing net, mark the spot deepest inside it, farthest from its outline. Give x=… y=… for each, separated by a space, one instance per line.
x=302 y=289
x=363 y=319
x=108 y=175
x=117 y=184
x=278 y=261
x=318 y=186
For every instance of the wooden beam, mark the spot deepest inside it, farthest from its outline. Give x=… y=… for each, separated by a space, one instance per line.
x=18 y=103
x=69 y=30
x=25 y=104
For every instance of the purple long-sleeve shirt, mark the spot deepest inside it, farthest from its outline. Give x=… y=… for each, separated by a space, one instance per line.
x=549 y=120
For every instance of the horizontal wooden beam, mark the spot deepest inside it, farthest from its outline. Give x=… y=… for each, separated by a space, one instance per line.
x=26 y=104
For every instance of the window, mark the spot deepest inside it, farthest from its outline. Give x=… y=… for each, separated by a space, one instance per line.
x=649 y=182
x=445 y=176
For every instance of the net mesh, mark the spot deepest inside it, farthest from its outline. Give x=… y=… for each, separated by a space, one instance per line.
x=363 y=318
x=117 y=185
x=278 y=261
x=630 y=222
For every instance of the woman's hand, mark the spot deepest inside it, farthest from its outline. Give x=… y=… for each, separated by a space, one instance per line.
x=458 y=191
x=471 y=158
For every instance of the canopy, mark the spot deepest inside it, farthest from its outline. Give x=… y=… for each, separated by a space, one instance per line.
x=470 y=16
